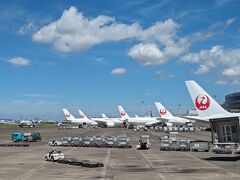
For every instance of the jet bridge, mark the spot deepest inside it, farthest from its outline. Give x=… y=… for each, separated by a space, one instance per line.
x=225 y=130
x=225 y=134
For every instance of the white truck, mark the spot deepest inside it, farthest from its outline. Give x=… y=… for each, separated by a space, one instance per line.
x=54 y=155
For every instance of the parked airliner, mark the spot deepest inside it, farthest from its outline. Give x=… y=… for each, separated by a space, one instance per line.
x=83 y=120
x=147 y=121
x=169 y=118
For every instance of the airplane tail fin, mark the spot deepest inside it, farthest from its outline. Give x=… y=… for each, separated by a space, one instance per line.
x=163 y=112
x=82 y=115
x=203 y=102
x=123 y=113
x=68 y=116
x=104 y=116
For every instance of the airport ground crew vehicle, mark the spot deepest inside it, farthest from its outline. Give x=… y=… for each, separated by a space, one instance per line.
x=200 y=146
x=123 y=142
x=99 y=141
x=143 y=142
x=88 y=141
x=110 y=141
x=29 y=137
x=166 y=144
x=77 y=141
x=181 y=145
x=54 y=155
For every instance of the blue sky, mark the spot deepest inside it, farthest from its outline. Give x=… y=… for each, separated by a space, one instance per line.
x=94 y=55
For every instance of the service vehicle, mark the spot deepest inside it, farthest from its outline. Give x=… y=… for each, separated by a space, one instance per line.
x=54 y=155
x=165 y=144
x=88 y=141
x=123 y=141
x=66 y=141
x=110 y=141
x=99 y=141
x=77 y=141
x=198 y=145
x=143 y=142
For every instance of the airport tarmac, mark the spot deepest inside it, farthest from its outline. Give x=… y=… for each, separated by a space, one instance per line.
x=28 y=162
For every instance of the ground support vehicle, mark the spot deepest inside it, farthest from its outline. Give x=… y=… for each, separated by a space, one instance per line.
x=66 y=141
x=77 y=141
x=88 y=141
x=54 y=155
x=165 y=144
x=99 y=141
x=123 y=142
x=143 y=143
x=225 y=148
x=110 y=141
x=181 y=145
x=29 y=137
x=200 y=146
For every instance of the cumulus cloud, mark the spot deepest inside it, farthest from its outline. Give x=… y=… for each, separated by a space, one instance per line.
x=74 y=32
x=119 y=71
x=19 y=61
x=228 y=59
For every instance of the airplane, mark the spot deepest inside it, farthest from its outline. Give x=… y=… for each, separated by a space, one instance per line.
x=114 y=120
x=169 y=118
x=83 y=120
x=147 y=121
x=207 y=108
x=26 y=123
x=104 y=120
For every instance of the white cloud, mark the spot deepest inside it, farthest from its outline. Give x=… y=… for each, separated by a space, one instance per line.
x=226 y=59
x=221 y=82
x=163 y=76
x=232 y=71
x=119 y=71
x=19 y=61
x=29 y=27
x=74 y=32
x=147 y=54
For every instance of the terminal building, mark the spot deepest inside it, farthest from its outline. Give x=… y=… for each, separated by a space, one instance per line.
x=232 y=102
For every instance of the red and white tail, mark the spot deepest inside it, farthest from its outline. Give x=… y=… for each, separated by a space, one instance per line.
x=82 y=116
x=104 y=116
x=123 y=113
x=205 y=105
x=68 y=116
x=163 y=112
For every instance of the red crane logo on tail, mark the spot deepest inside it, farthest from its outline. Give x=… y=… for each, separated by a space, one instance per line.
x=163 y=111
x=202 y=102
x=67 y=115
x=81 y=116
x=122 y=113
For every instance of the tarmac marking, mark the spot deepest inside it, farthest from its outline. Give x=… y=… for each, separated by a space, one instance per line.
x=33 y=171
x=106 y=163
x=151 y=165
x=213 y=165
